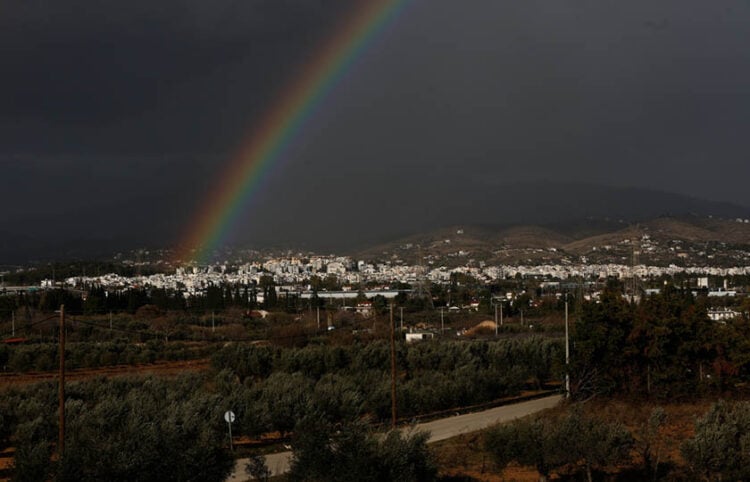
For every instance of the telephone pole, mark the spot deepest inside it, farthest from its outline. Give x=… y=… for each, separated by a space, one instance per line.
x=567 y=351
x=495 y=320
x=393 y=371
x=61 y=401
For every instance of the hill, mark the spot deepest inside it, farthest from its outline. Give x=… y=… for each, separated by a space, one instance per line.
x=693 y=240
x=569 y=210
x=495 y=217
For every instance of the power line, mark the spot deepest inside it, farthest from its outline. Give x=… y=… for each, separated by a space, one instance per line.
x=121 y=330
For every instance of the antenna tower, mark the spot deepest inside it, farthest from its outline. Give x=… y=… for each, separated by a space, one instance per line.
x=423 y=288
x=635 y=280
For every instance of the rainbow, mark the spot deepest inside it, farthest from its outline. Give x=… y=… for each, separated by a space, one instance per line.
x=281 y=124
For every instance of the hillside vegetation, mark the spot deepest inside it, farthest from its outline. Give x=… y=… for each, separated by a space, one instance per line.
x=685 y=240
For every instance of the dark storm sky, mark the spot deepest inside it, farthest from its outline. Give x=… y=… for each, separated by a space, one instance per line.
x=115 y=117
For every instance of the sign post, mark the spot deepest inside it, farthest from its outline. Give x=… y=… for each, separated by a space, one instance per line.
x=229 y=418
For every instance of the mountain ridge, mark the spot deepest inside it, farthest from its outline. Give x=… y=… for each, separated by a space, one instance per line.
x=662 y=240
x=546 y=214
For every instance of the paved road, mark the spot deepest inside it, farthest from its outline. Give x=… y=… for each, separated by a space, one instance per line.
x=471 y=422
x=439 y=430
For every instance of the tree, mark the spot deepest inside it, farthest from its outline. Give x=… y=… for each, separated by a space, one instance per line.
x=720 y=449
x=146 y=430
x=351 y=451
x=532 y=442
x=647 y=442
x=598 y=339
x=547 y=443
x=285 y=399
x=380 y=304
x=32 y=458
x=593 y=442
x=4 y=356
x=214 y=300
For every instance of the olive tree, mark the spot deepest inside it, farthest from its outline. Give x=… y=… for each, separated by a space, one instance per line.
x=351 y=451
x=593 y=442
x=720 y=449
x=152 y=430
x=548 y=443
x=533 y=442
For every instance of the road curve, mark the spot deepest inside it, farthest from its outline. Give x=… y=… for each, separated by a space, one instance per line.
x=441 y=429
x=471 y=422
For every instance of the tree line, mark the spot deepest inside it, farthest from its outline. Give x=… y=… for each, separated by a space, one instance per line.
x=117 y=429
x=430 y=377
x=151 y=429
x=665 y=347
x=576 y=442
x=45 y=356
x=148 y=428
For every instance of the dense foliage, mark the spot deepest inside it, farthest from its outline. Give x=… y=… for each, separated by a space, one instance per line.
x=343 y=453
x=720 y=448
x=44 y=356
x=122 y=429
x=431 y=377
x=172 y=429
x=665 y=346
x=547 y=443
x=576 y=442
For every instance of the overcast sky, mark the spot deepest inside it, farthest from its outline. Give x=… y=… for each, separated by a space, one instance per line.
x=116 y=116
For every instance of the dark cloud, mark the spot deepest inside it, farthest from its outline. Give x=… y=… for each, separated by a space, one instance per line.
x=134 y=107
x=143 y=76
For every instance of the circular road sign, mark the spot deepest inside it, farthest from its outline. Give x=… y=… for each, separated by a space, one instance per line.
x=229 y=416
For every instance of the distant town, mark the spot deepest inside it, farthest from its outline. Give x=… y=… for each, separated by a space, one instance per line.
x=294 y=273
x=457 y=269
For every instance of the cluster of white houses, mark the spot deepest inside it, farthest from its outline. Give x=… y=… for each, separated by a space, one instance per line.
x=297 y=272
x=293 y=275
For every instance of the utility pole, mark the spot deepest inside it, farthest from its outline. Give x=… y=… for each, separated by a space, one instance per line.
x=231 y=445
x=317 y=309
x=501 y=313
x=495 y=320
x=393 y=371
x=61 y=401
x=401 y=309
x=567 y=351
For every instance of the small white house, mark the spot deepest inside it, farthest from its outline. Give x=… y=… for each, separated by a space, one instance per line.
x=420 y=336
x=722 y=314
x=364 y=308
x=722 y=293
